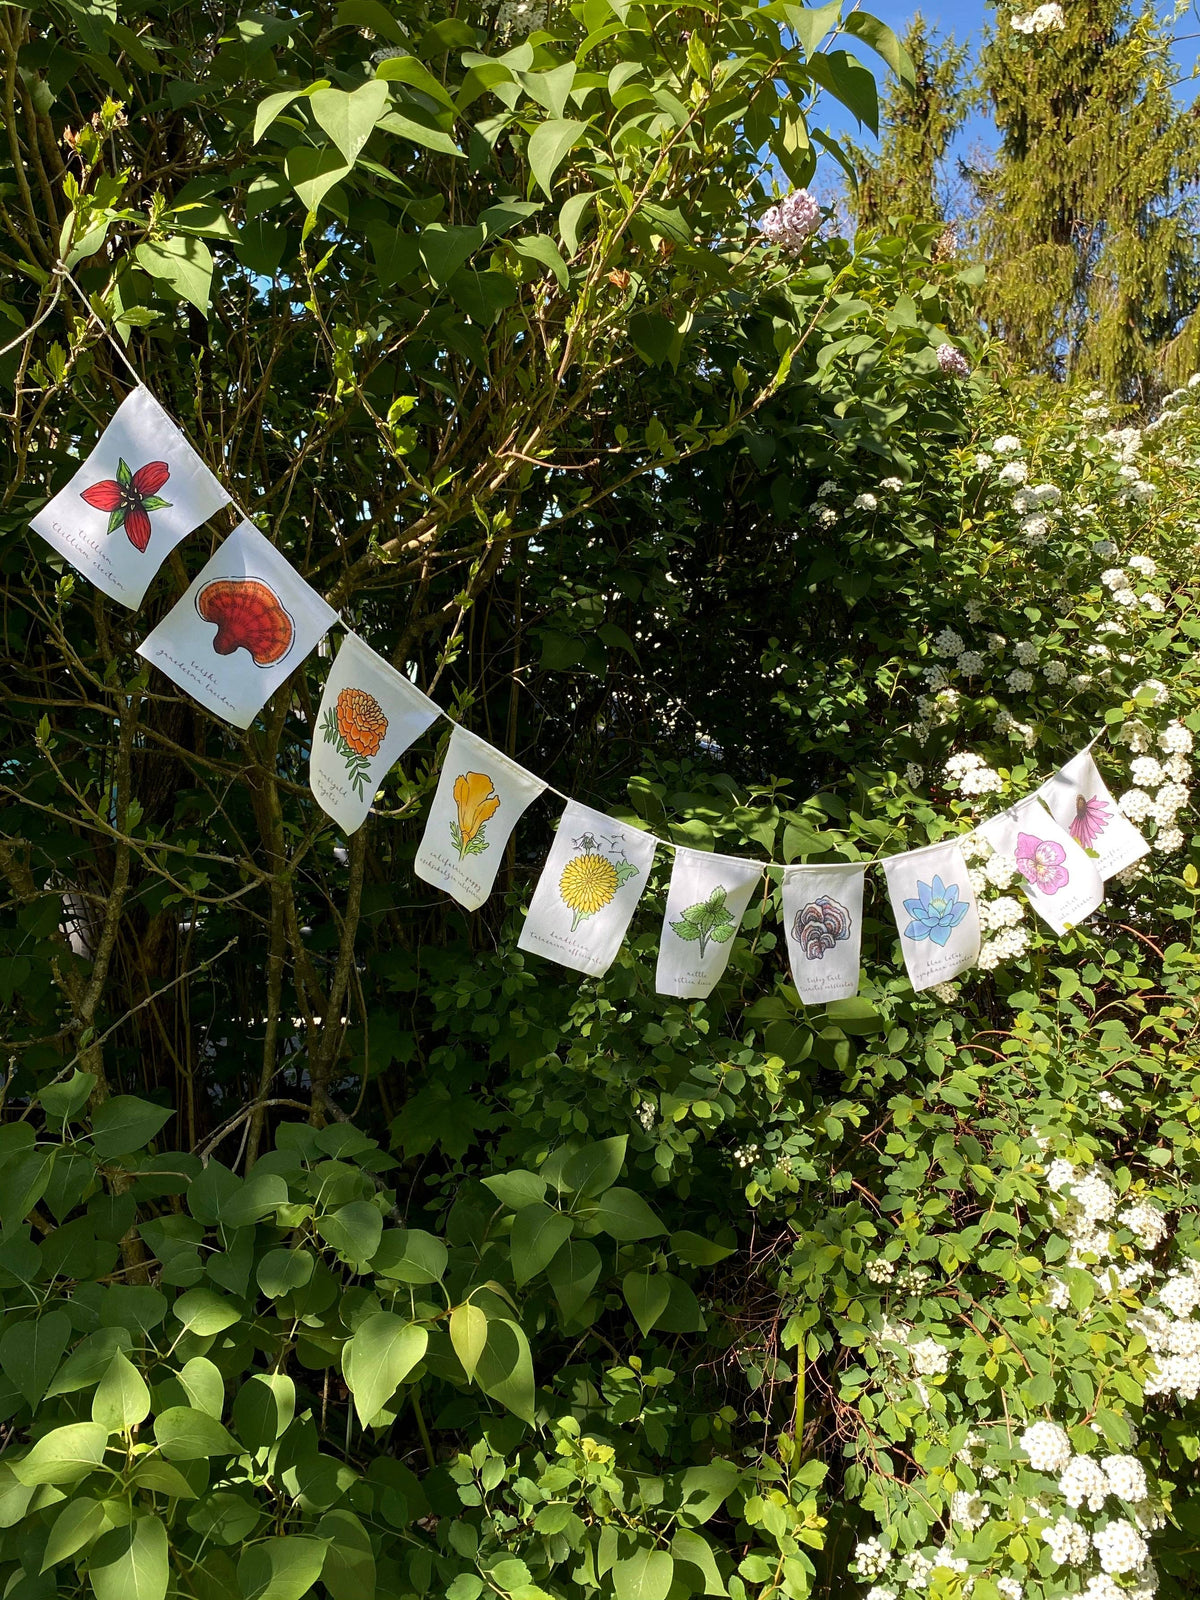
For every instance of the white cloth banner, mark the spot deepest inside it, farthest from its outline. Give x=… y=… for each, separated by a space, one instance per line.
x=822 y=918
x=1060 y=882
x=1078 y=800
x=935 y=911
x=369 y=715
x=480 y=797
x=241 y=628
x=592 y=881
x=141 y=491
x=706 y=902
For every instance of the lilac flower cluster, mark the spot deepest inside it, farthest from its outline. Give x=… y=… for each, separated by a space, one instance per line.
x=792 y=222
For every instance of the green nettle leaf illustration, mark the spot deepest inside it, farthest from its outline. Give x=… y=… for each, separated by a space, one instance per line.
x=708 y=920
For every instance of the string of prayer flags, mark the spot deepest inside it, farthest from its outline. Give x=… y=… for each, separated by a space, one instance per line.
x=480 y=797
x=1079 y=801
x=706 y=901
x=936 y=913
x=822 y=918
x=241 y=628
x=589 y=888
x=141 y=491
x=1061 y=883
x=369 y=716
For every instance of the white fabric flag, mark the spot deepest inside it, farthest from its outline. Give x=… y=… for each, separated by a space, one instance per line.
x=935 y=911
x=1061 y=883
x=480 y=797
x=822 y=917
x=706 y=902
x=141 y=491
x=592 y=881
x=368 y=717
x=241 y=628
x=1079 y=801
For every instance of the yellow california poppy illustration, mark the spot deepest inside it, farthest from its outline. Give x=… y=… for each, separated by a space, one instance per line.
x=475 y=803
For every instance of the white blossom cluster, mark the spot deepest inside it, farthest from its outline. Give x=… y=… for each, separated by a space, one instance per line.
x=792 y=222
x=971 y=774
x=1044 y=19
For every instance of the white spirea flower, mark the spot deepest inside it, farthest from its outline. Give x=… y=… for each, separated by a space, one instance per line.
x=830 y=486
x=983 y=461
x=981 y=780
x=1055 y=672
x=1019 y=681
x=1126 y=1477
x=1003 y=912
x=880 y=1270
x=871 y=1558
x=1104 y=548
x=1082 y=1480
x=930 y=1357
x=1136 y=804
x=1175 y=739
x=914 y=775
x=1137 y=736
x=945 y=992
x=1120 y=1547
x=1026 y=653
x=1013 y=472
x=1180 y=1294
x=1124 y=597
x=892 y=485
x=865 y=502
x=880 y=1591
x=826 y=516
x=997 y=644
x=1168 y=840
x=1110 y=1101
x=1047 y=1446
x=947 y=643
x=1144 y=565
x=1146 y=772
x=1152 y=602
x=1010 y=1588
x=1035 y=531
x=968 y=1510
x=1001 y=870
x=970 y=663
x=1069 y=1542
x=1006 y=445
x=1115 y=578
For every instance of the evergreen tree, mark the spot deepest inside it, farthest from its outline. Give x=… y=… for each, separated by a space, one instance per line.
x=917 y=124
x=1087 y=217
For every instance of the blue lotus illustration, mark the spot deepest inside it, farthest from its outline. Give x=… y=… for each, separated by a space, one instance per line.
x=936 y=913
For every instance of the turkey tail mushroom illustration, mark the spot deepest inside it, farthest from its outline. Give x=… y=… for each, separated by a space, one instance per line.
x=249 y=616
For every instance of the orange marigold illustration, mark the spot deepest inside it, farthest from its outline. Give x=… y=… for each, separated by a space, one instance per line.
x=356 y=726
x=361 y=721
x=476 y=803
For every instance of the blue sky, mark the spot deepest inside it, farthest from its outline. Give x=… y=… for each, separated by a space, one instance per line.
x=967 y=19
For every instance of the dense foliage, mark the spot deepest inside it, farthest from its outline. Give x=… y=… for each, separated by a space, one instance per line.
x=343 y=1248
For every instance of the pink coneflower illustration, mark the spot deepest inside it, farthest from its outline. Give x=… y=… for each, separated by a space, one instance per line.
x=1090 y=820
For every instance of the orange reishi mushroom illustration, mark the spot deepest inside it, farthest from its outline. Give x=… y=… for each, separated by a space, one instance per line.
x=249 y=616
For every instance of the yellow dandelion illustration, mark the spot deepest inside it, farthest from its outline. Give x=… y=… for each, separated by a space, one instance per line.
x=587 y=885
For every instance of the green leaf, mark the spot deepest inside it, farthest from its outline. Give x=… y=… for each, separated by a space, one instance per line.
x=811 y=23
x=267 y=110
x=264 y=1409
x=444 y=250
x=77 y=1524
x=372 y=15
x=625 y=1216
x=549 y=145
x=382 y=1353
x=122 y=1399
x=354 y=1231
x=282 y=1271
x=570 y=219
x=63 y=1100
x=312 y=173
x=573 y=1274
x=89 y=1361
x=125 y=1124
x=539 y=247
x=698 y=1251
x=426 y=134
x=280 y=1569
x=185 y=263
x=884 y=43
x=411 y=1255
x=596 y=1167
x=646 y=1294
x=517 y=1188
x=131 y=1563
x=348 y=118
x=505 y=1369
x=64 y=1455
x=538 y=1231
x=184 y=1434
x=349 y=1570
x=468 y=1335
x=31 y=1351
x=646 y=1575
x=204 y=1312
x=204 y=1386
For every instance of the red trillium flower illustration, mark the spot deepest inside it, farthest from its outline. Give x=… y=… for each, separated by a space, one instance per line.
x=129 y=498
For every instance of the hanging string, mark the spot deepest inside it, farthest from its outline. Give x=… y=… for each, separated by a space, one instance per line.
x=61 y=272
